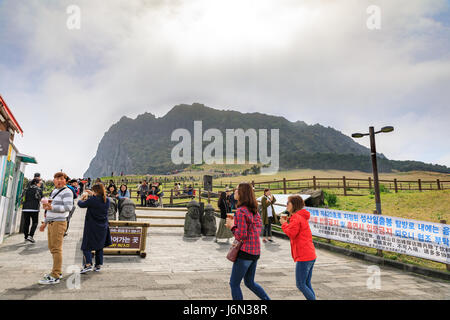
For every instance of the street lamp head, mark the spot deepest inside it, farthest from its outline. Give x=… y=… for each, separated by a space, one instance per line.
x=387 y=129
x=357 y=135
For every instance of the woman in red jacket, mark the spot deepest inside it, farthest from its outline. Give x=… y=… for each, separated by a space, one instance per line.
x=302 y=247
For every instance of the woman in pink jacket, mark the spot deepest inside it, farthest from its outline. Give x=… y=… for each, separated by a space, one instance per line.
x=302 y=247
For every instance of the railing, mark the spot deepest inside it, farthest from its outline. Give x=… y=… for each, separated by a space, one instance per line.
x=346 y=184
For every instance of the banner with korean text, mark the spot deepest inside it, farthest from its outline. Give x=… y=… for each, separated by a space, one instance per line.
x=411 y=237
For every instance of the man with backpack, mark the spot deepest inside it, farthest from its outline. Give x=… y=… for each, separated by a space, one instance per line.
x=57 y=209
x=30 y=209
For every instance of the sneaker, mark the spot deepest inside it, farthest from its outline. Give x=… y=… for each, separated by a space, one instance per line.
x=270 y=240
x=86 y=269
x=30 y=238
x=97 y=268
x=48 y=275
x=48 y=279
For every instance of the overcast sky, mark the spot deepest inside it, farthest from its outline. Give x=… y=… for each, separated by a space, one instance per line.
x=315 y=61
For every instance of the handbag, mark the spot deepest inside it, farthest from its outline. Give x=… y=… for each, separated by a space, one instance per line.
x=234 y=249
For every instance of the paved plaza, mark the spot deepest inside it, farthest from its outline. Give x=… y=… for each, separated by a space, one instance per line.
x=177 y=268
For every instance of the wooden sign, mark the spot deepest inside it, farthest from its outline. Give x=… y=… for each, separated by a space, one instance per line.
x=125 y=237
x=128 y=237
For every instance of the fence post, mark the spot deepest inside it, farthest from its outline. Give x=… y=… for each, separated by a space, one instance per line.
x=171 y=197
x=209 y=197
x=439 y=184
x=370 y=183
x=395 y=185
x=314 y=182
x=420 y=185
x=345 y=186
x=253 y=183
x=284 y=186
x=199 y=195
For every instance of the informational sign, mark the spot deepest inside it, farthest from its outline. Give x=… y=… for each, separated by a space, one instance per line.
x=411 y=237
x=4 y=142
x=125 y=238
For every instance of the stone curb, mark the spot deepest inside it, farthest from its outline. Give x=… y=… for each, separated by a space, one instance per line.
x=378 y=260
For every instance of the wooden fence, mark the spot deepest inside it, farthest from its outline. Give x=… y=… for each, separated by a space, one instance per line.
x=346 y=184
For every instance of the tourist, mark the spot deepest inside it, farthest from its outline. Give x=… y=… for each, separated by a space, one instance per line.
x=96 y=234
x=137 y=191
x=123 y=193
x=232 y=201
x=246 y=227
x=143 y=190
x=160 y=193
x=223 y=232
x=72 y=185
x=268 y=215
x=37 y=176
x=82 y=184
x=112 y=191
x=30 y=209
x=302 y=247
x=57 y=211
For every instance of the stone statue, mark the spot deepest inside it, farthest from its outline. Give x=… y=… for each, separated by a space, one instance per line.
x=127 y=210
x=209 y=226
x=112 y=210
x=192 y=226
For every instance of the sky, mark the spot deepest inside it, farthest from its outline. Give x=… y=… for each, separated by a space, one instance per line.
x=315 y=61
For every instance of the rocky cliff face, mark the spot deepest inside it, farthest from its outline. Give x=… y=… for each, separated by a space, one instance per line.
x=143 y=145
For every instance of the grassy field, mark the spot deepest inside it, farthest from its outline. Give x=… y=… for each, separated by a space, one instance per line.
x=431 y=206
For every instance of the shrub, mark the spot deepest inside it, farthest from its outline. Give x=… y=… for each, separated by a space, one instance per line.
x=330 y=198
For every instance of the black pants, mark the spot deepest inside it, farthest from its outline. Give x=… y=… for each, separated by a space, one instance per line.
x=268 y=228
x=143 y=201
x=34 y=216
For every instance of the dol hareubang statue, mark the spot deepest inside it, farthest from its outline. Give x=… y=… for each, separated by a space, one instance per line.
x=192 y=226
x=209 y=227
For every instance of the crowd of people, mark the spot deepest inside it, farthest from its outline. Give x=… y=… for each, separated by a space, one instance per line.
x=245 y=225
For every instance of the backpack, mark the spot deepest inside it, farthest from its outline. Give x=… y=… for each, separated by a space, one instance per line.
x=127 y=210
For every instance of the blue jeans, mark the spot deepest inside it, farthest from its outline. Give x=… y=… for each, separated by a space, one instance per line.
x=87 y=257
x=303 y=273
x=245 y=269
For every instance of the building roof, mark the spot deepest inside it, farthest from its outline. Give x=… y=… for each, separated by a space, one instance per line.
x=9 y=116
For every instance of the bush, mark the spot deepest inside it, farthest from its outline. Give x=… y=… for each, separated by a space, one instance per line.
x=330 y=198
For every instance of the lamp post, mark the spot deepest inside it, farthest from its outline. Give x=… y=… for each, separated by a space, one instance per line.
x=373 y=153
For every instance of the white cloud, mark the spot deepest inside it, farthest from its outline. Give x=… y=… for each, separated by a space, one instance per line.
x=314 y=61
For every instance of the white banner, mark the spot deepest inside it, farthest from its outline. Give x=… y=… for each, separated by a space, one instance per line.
x=411 y=237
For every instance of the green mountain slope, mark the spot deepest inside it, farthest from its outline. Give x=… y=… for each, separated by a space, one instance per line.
x=143 y=146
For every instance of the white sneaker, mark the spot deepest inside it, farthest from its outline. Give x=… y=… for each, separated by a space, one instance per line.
x=49 y=280
x=30 y=238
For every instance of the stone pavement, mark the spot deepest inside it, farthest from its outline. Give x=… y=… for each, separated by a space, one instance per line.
x=194 y=269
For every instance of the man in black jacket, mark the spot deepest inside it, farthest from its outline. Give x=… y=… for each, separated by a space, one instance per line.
x=31 y=207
